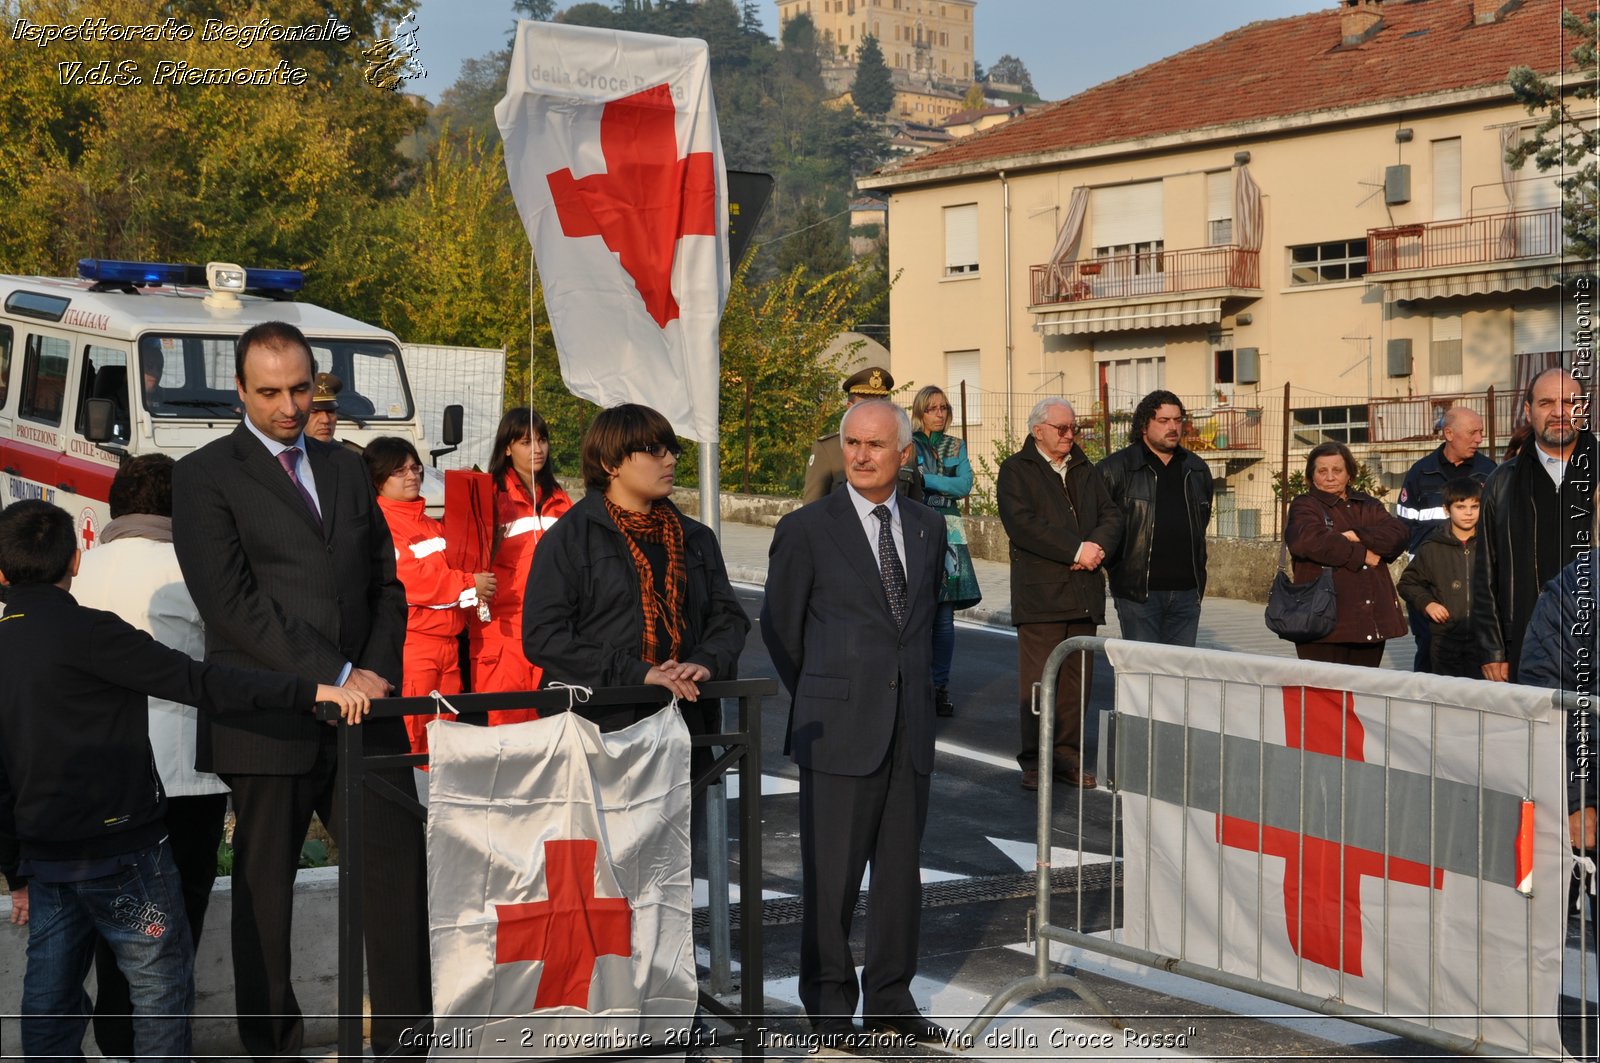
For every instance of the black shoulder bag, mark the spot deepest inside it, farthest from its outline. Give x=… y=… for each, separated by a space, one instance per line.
x=1302 y=612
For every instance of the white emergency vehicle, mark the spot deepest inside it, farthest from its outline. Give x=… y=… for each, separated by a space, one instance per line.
x=138 y=357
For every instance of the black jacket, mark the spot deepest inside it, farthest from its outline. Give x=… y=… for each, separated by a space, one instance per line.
x=1047 y=520
x=279 y=590
x=1441 y=571
x=581 y=618
x=77 y=779
x=1131 y=483
x=1512 y=525
x=1559 y=653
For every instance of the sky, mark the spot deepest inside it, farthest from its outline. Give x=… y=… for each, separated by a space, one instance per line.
x=1067 y=45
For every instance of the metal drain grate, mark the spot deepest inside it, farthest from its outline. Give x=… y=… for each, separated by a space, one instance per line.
x=788 y=910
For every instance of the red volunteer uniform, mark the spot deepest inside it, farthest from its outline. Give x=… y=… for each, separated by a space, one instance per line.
x=438 y=599
x=497 y=659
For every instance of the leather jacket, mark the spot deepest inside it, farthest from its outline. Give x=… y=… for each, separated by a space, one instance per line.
x=1131 y=482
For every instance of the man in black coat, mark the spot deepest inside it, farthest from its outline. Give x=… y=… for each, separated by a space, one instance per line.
x=1537 y=515
x=292 y=569
x=1062 y=524
x=852 y=587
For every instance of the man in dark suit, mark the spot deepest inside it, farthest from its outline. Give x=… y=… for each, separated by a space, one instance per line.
x=848 y=619
x=292 y=569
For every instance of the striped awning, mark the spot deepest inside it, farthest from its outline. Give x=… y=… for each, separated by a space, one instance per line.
x=1123 y=317
x=1446 y=286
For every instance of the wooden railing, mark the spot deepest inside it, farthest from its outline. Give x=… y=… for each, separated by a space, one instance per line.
x=1147 y=273
x=1465 y=241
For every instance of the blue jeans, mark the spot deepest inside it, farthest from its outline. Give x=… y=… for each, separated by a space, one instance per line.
x=139 y=912
x=1170 y=617
x=944 y=643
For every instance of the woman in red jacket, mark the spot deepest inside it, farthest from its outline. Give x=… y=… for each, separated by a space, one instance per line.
x=438 y=597
x=527 y=501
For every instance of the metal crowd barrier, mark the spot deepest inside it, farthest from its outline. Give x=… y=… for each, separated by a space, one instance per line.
x=741 y=748
x=1174 y=763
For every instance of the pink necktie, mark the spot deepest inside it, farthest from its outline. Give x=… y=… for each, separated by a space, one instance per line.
x=289 y=459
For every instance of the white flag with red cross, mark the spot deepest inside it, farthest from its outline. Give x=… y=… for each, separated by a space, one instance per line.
x=616 y=166
x=1389 y=840
x=559 y=889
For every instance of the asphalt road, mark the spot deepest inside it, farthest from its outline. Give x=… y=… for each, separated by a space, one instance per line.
x=977 y=863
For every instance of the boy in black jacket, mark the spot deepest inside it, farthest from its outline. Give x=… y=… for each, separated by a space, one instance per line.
x=1438 y=582
x=82 y=838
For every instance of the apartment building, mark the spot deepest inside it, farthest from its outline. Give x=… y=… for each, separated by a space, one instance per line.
x=1318 y=201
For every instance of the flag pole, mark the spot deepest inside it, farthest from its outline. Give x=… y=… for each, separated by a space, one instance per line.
x=720 y=944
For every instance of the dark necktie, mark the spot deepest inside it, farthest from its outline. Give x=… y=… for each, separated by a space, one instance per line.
x=289 y=459
x=890 y=569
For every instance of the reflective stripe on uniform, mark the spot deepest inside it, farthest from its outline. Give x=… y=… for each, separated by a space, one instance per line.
x=523 y=525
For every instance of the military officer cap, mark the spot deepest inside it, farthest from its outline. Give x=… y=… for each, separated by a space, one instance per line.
x=869 y=382
x=328 y=387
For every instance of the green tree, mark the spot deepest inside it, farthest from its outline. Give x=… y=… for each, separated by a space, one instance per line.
x=780 y=389
x=973 y=100
x=801 y=56
x=873 y=89
x=537 y=10
x=1567 y=140
x=816 y=243
x=1012 y=71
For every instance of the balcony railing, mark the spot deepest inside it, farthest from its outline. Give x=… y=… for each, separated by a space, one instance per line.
x=1465 y=241
x=1147 y=273
x=1223 y=428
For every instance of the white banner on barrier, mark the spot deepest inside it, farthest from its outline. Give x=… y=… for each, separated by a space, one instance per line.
x=1349 y=833
x=559 y=887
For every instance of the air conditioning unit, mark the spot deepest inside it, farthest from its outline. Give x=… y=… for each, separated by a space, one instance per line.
x=1397 y=184
x=1247 y=365
x=1400 y=357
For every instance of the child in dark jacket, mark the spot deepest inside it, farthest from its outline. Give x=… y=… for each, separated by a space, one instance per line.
x=82 y=833
x=1438 y=582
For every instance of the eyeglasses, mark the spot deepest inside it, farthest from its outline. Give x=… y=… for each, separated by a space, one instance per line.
x=938 y=409
x=408 y=470
x=1063 y=429
x=657 y=450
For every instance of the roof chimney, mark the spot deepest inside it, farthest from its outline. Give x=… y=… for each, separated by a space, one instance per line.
x=1486 y=11
x=1360 y=19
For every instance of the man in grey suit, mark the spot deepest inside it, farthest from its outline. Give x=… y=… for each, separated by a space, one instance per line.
x=848 y=620
x=292 y=568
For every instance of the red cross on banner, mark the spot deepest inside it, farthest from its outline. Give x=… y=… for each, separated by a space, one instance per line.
x=647 y=200
x=1317 y=871
x=569 y=931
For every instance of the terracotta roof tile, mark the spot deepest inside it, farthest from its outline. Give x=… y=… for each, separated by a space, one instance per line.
x=1278 y=68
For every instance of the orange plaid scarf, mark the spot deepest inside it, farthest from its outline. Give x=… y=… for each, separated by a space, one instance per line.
x=660 y=525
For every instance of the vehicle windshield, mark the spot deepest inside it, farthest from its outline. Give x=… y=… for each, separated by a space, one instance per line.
x=191 y=376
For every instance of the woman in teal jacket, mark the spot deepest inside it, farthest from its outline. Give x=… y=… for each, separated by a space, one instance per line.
x=947 y=479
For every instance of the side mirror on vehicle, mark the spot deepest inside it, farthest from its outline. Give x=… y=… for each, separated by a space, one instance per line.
x=451 y=432
x=100 y=421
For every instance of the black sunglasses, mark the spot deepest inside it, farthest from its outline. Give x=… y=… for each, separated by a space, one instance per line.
x=656 y=450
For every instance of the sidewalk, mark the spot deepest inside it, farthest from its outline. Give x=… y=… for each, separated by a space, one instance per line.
x=1225 y=623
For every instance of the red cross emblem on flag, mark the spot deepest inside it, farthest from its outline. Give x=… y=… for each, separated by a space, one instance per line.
x=1319 y=872
x=569 y=930
x=648 y=199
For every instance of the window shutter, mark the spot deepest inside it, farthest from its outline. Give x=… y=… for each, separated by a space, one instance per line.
x=1126 y=214
x=1536 y=328
x=963 y=366
x=1447 y=179
x=961 y=239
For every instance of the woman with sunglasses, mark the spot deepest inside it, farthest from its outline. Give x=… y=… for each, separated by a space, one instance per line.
x=527 y=503
x=626 y=590
x=438 y=597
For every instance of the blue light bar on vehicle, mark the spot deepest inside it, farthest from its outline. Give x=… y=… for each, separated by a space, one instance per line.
x=105 y=270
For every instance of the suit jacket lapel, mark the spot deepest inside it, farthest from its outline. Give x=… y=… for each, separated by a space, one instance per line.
x=851 y=538
x=326 y=474
x=262 y=467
